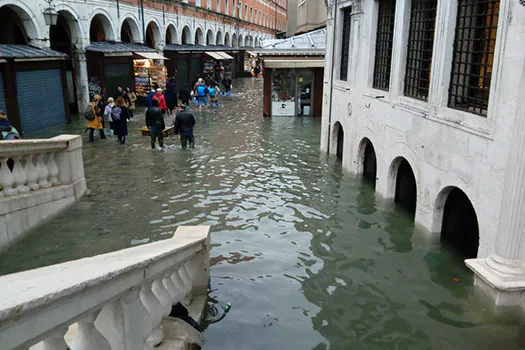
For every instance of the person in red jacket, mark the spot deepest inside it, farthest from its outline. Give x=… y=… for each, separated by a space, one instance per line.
x=162 y=101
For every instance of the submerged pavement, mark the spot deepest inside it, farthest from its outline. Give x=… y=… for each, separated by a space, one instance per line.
x=307 y=254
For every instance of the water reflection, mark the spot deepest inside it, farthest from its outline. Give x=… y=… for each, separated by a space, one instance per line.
x=308 y=255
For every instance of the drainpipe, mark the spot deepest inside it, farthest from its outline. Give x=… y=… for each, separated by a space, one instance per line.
x=118 y=9
x=332 y=78
x=143 y=25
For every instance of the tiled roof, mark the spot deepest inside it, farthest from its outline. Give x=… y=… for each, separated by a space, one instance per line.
x=112 y=47
x=27 y=51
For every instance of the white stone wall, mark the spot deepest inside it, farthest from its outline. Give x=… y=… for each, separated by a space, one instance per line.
x=445 y=147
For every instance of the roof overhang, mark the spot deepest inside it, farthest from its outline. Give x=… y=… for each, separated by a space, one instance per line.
x=150 y=55
x=294 y=62
x=219 y=55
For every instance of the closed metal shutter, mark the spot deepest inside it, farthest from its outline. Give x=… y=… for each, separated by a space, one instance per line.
x=195 y=69
x=2 y=95
x=182 y=73
x=117 y=74
x=40 y=99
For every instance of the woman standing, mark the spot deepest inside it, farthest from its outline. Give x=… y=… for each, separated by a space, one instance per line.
x=120 y=114
x=96 y=122
x=132 y=98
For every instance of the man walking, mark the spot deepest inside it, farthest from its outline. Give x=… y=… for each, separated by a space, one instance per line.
x=184 y=123
x=155 y=123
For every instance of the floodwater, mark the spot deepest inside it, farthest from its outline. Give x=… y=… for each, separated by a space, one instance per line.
x=307 y=254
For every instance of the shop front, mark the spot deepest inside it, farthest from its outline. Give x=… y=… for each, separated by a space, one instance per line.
x=125 y=64
x=294 y=92
x=33 y=88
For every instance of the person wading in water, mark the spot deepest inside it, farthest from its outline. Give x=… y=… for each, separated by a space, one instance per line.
x=184 y=124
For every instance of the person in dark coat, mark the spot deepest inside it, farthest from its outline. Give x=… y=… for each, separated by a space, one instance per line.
x=185 y=95
x=171 y=97
x=149 y=98
x=155 y=124
x=184 y=124
x=120 y=116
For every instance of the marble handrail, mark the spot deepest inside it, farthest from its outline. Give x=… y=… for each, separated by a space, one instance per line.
x=30 y=165
x=116 y=300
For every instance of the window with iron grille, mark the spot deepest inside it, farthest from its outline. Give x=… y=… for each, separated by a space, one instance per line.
x=345 y=45
x=384 y=43
x=420 y=43
x=474 y=45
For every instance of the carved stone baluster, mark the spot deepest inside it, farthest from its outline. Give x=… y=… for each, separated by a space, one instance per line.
x=155 y=309
x=53 y=169
x=175 y=293
x=20 y=174
x=110 y=324
x=7 y=179
x=179 y=283
x=43 y=173
x=88 y=336
x=138 y=324
x=162 y=294
x=54 y=342
x=32 y=173
x=186 y=277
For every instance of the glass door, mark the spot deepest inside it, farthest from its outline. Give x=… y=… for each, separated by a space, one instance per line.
x=304 y=92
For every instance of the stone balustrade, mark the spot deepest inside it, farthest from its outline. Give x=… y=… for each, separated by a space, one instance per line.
x=38 y=178
x=120 y=300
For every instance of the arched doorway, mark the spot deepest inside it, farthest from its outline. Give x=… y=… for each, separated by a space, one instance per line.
x=235 y=42
x=369 y=161
x=129 y=32
x=12 y=29
x=171 y=35
x=186 y=36
x=406 y=189
x=100 y=29
x=152 y=35
x=340 y=134
x=227 y=39
x=460 y=224
x=209 y=38
x=241 y=41
x=218 y=39
x=63 y=37
x=199 y=37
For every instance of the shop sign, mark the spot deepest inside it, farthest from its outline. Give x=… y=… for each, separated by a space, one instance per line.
x=283 y=108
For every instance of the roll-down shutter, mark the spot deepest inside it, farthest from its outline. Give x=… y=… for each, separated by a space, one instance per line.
x=2 y=95
x=40 y=99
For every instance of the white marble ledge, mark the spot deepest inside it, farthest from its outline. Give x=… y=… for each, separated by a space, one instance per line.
x=493 y=279
x=34 y=198
x=26 y=291
x=23 y=146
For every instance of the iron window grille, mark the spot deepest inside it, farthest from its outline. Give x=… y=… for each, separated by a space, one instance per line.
x=384 y=44
x=474 y=47
x=345 y=45
x=420 y=44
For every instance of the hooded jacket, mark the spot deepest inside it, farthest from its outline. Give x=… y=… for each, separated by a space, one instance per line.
x=184 y=123
x=162 y=101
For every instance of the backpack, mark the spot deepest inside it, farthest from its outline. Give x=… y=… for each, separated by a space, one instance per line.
x=8 y=134
x=201 y=90
x=211 y=91
x=90 y=113
x=116 y=112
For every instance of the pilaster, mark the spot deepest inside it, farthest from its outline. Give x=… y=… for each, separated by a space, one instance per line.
x=81 y=79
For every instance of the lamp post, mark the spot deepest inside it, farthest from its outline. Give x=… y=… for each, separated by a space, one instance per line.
x=50 y=14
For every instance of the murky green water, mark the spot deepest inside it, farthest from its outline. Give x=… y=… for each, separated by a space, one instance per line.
x=308 y=255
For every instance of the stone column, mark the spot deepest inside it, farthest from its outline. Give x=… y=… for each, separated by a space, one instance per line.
x=327 y=91
x=81 y=79
x=502 y=274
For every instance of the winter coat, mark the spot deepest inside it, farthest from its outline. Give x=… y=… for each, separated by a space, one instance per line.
x=155 y=119
x=185 y=95
x=7 y=129
x=184 y=123
x=132 y=99
x=149 y=99
x=162 y=101
x=97 y=122
x=121 y=126
x=171 y=97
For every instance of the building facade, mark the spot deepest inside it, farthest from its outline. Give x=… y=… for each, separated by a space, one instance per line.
x=425 y=99
x=305 y=16
x=153 y=24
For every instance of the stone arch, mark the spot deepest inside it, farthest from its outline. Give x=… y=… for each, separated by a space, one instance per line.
x=153 y=34
x=210 y=38
x=227 y=40
x=367 y=161
x=66 y=35
x=218 y=38
x=19 y=25
x=241 y=40
x=199 y=37
x=172 y=37
x=186 y=38
x=73 y=22
x=100 y=27
x=256 y=42
x=129 y=30
x=457 y=220
x=403 y=177
x=338 y=136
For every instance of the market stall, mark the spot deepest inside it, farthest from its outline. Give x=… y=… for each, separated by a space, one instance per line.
x=150 y=72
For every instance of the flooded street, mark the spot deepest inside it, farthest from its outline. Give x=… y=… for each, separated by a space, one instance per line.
x=307 y=254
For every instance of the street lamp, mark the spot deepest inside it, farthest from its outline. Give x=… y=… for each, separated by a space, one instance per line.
x=50 y=14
